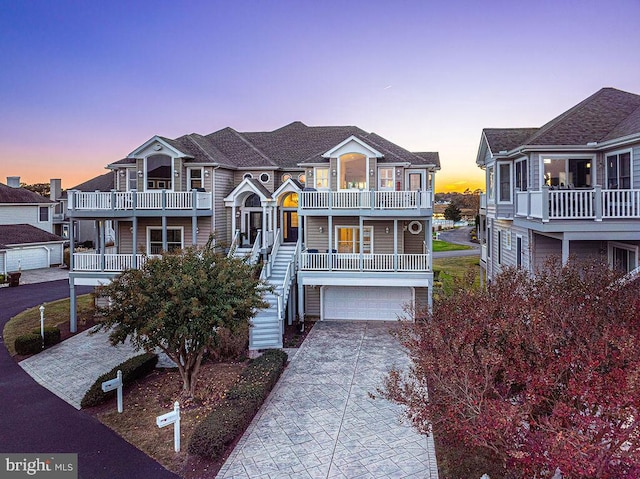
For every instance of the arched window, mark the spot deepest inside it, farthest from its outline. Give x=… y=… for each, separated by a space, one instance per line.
x=353 y=171
x=252 y=201
x=290 y=201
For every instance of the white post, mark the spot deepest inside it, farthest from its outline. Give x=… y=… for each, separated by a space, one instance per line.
x=119 y=391
x=172 y=417
x=42 y=324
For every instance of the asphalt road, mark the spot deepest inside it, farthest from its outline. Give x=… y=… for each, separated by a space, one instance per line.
x=34 y=420
x=458 y=236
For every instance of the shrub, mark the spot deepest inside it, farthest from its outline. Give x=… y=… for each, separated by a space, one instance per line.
x=214 y=434
x=132 y=369
x=231 y=345
x=30 y=343
x=51 y=335
x=2 y=278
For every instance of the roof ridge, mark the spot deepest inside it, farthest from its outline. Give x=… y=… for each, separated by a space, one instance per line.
x=189 y=137
x=623 y=120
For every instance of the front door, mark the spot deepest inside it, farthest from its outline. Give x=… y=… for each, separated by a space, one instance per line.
x=252 y=223
x=290 y=226
x=415 y=180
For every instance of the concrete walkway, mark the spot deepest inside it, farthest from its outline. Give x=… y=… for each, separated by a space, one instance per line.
x=320 y=422
x=70 y=368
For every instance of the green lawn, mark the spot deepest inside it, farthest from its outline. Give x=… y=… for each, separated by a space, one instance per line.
x=55 y=313
x=448 y=269
x=439 y=245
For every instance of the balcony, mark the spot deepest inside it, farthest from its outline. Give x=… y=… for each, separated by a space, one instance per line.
x=366 y=262
x=579 y=204
x=366 y=202
x=128 y=203
x=112 y=263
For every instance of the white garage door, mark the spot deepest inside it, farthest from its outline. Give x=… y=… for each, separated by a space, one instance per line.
x=27 y=258
x=365 y=302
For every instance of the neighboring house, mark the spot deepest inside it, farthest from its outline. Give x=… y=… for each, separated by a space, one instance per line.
x=570 y=187
x=341 y=217
x=26 y=226
x=88 y=231
x=24 y=247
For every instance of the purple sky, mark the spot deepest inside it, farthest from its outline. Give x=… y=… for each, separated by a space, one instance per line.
x=84 y=83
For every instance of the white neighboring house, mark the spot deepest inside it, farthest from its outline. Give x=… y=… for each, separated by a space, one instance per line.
x=570 y=187
x=26 y=229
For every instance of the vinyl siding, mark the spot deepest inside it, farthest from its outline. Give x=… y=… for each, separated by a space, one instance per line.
x=413 y=244
x=421 y=299
x=544 y=248
x=312 y=301
x=25 y=214
x=508 y=245
x=636 y=166
x=125 y=239
x=222 y=185
x=588 y=249
x=239 y=176
x=534 y=162
x=382 y=241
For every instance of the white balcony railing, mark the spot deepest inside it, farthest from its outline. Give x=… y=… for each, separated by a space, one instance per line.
x=378 y=200
x=365 y=262
x=112 y=262
x=143 y=200
x=582 y=204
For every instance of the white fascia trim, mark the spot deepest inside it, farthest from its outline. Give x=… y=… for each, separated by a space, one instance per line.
x=288 y=186
x=241 y=188
x=375 y=152
x=363 y=282
x=157 y=139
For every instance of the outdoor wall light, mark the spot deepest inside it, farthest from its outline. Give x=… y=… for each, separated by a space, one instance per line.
x=122 y=172
x=175 y=172
x=371 y=172
x=333 y=172
x=398 y=172
x=140 y=174
x=310 y=173
x=386 y=230
x=321 y=229
x=206 y=173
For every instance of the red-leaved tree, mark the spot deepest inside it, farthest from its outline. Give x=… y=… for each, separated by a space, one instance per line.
x=542 y=371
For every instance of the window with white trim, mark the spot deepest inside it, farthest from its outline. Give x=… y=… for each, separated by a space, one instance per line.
x=521 y=175
x=490 y=183
x=623 y=256
x=504 y=182
x=619 y=171
x=174 y=239
x=194 y=178
x=321 y=178
x=352 y=172
x=385 y=178
x=43 y=214
x=348 y=239
x=132 y=179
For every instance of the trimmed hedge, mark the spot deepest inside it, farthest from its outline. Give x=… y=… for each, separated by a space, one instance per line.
x=31 y=343
x=218 y=430
x=132 y=369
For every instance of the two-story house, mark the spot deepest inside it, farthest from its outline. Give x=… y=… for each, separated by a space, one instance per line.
x=570 y=187
x=340 y=217
x=26 y=229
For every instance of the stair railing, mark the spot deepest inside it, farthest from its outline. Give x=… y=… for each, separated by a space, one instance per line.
x=255 y=249
x=234 y=244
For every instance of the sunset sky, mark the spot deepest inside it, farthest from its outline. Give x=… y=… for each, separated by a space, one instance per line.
x=84 y=83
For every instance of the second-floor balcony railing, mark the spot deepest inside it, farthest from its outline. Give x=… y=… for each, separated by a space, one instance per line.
x=586 y=204
x=94 y=262
x=364 y=262
x=357 y=199
x=139 y=200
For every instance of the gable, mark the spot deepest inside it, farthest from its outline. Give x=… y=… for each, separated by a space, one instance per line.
x=352 y=145
x=157 y=146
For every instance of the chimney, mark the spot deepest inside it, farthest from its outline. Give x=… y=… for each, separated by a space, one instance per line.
x=13 y=181
x=55 y=189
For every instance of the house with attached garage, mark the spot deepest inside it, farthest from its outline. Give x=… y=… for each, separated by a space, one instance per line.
x=26 y=229
x=339 y=218
x=569 y=187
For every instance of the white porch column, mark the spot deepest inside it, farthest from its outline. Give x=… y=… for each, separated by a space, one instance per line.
x=361 y=240
x=264 y=227
x=165 y=244
x=234 y=227
x=565 y=251
x=330 y=247
x=395 y=244
x=301 y=300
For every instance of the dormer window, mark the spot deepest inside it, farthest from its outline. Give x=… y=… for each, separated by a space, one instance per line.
x=352 y=169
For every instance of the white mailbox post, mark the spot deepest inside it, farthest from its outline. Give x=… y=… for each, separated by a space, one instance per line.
x=42 y=324
x=115 y=384
x=172 y=417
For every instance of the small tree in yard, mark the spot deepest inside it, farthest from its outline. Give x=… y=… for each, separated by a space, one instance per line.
x=452 y=212
x=541 y=371
x=178 y=302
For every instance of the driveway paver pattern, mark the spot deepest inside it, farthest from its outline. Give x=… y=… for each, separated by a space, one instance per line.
x=321 y=422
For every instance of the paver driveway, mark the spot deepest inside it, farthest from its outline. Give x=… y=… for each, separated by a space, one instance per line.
x=319 y=422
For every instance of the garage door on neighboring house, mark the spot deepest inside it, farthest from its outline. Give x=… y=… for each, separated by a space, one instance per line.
x=364 y=302
x=27 y=258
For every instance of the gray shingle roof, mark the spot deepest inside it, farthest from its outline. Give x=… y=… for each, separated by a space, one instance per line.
x=429 y=157
x=606 y=115
x=24 y=234
x=99 y=183
x=20 y=195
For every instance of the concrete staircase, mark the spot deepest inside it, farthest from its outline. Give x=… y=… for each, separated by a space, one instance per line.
x=267 y=324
